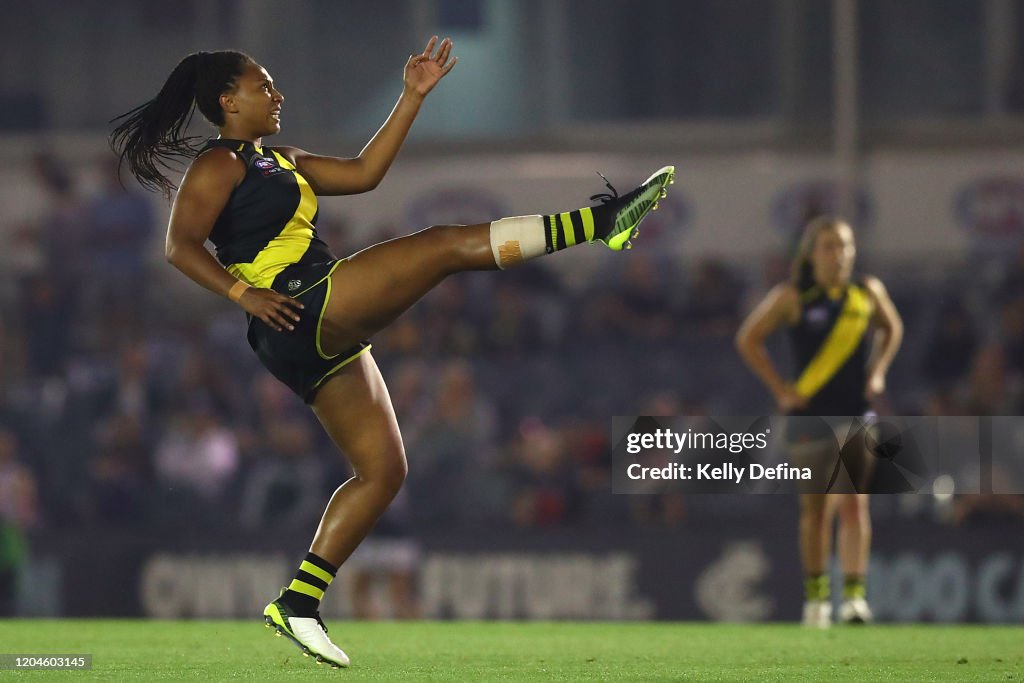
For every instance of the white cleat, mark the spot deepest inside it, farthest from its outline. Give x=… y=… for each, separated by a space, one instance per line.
x=817 y=614
x=308 y=633
x=855 y=611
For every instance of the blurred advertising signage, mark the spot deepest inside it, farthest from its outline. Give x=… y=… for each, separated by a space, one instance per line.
x=991 y=208
x=795 y=205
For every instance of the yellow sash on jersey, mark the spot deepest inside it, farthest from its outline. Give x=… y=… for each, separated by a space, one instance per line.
x=289 y=245
x=840 y=344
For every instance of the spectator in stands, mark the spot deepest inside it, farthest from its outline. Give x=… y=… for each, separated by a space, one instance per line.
x=133 y=390
x=1011 y=285
x=545 y=484
x=279 y=481
x=635 y=309
x=1011 y=319
x=998 y=500
x=197 y=453
x=18 y=512
x=991 y=391
x=120 y=474
x=590 y=456
x=49 y=272
x=514 y=325
x=664 y=505
x=953 y=343
x=714 y=299
x=120 y=229
x=449 y=327
x=455 y=447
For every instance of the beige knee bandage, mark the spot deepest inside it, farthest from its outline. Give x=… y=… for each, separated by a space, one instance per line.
x=517 y=239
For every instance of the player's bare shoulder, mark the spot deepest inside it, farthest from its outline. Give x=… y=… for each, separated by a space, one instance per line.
x=220 y=161
x=215 y=172
x=785 y=298
x=874 y=287
x=885 y=312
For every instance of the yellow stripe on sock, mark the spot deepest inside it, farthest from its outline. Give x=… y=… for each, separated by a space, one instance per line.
x=316 y=571
x=303 y=587
x=588 y=223
x=567 y=229
x=854 y=589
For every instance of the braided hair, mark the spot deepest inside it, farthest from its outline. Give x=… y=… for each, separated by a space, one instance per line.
x=151 y=135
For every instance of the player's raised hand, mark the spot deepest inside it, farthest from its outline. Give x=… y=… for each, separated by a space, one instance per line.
x=423 y=71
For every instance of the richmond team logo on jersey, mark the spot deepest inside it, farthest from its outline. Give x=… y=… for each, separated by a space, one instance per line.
x=817 y=316
x=267 y=167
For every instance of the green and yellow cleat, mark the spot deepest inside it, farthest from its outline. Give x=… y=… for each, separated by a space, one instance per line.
x=634 y=206
x=308 y=633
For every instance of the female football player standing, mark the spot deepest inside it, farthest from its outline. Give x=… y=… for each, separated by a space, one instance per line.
x=833 y=320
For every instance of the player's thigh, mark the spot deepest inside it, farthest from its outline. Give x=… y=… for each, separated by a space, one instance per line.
x=370 y=289
x=821 y=457
x=355 y=408
x=814 y=505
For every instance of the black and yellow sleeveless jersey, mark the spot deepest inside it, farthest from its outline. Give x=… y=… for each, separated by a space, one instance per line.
x=831 y=345
x=269 y=221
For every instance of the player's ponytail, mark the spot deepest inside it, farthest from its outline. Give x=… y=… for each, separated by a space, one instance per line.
x=801 y=273
x=151 y=135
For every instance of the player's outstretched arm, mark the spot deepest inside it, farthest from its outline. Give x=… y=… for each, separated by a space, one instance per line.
x=336 y=176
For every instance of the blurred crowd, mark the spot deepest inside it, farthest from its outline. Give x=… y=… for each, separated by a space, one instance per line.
x=122 y=408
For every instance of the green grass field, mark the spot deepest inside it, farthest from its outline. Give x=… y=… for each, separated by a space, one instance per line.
x=227 y=650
